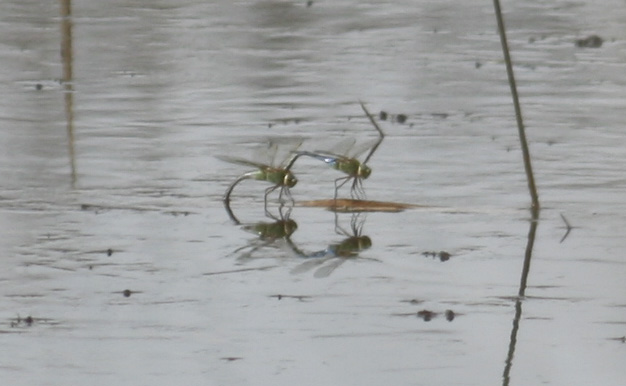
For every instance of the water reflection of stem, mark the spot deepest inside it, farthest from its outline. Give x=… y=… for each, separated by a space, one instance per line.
x=66 y=56
x=518 y=110
x=521 y=293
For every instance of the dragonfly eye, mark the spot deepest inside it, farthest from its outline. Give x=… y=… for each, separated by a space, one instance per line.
x=364 y=242
x=364 y=171
x=290 y=180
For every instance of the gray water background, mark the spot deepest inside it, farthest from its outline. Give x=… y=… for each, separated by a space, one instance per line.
x=132 y=199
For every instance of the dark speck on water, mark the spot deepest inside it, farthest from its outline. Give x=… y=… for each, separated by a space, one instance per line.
x=592 y=41
x=127 y=293
x=401 y=118
x=442 y=255
x=426 y=315
x=39 y=86
x=109 y=252
x=383 y=115
x=231 y=359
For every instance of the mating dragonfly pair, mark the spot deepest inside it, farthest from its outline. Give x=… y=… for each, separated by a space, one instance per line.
x=282 y=177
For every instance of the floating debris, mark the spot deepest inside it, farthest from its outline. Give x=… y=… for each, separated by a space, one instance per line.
x=426 y=315
x=29 y=321
x=400 y=118
x=413 y=301
x=298 y=297
x=345 y=205
x=442 y=255
x=592 y=41
x=231 y=359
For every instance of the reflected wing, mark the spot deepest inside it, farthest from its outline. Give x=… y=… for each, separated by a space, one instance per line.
x=309 y=265
x=326 y=270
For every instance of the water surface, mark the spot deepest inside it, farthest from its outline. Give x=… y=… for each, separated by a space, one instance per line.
x=131 y=199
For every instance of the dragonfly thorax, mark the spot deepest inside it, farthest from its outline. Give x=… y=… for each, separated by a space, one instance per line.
x=278 y=177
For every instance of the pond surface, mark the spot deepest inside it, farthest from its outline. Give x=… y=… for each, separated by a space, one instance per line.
x=120 y=265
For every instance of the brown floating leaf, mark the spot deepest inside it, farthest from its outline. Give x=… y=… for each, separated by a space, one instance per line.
x=349 y=205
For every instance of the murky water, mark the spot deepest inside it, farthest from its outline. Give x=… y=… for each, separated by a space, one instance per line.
x=120 y=265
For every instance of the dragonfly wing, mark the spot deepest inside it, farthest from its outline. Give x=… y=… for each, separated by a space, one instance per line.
x=342 y=147
x=279 y=151
x=240 y=161
x=361 y=148
x=321 y=155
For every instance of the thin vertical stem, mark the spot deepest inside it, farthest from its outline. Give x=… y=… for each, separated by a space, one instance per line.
x=66 y=56
x=518 y=111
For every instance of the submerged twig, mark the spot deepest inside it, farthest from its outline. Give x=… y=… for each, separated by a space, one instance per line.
x=567 y=226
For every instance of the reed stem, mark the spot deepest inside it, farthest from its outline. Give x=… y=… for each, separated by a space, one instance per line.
x=518 y=110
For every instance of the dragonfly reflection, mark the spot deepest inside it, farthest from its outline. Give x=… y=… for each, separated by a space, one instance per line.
x=348 y=163
x=336 y=254
x=270 y=234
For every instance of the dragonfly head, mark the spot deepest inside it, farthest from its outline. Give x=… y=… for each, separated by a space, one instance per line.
x=364 y=171
x=289 y=180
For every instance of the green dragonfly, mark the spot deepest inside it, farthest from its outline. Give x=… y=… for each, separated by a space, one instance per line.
x=348 y=163
x=279 y=176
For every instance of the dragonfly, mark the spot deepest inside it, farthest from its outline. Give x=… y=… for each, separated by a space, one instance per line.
x=348 y=164
x=279 y=176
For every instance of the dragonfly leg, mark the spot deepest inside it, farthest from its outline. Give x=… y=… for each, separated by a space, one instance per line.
x=286 y=214
x=357 y=191
x=287 y=192
x=356 y=224
x=338 y=228
x=339 y=182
